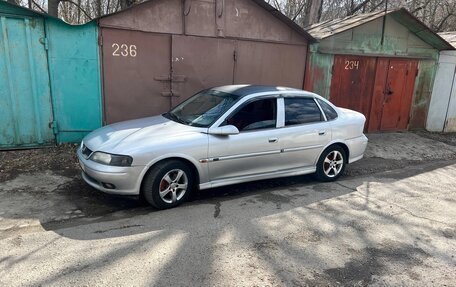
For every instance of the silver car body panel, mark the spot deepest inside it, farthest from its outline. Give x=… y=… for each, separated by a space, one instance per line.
x=220 y=160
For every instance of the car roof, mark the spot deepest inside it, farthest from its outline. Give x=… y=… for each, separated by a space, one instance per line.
x=245 y=90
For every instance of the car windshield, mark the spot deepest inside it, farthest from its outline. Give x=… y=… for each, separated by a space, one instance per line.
x=203 y=109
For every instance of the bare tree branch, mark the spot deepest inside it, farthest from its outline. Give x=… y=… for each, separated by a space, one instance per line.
x=38 y=6
x=299 y=11
x=377 y=6
x=358 y=7
x=79 y=7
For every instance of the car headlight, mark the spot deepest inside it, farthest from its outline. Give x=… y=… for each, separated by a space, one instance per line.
x=111 y=159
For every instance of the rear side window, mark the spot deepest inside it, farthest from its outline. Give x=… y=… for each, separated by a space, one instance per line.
x=301 y=111
x=330 y=113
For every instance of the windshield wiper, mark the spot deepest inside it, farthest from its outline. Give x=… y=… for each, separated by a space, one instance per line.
x=175 y=118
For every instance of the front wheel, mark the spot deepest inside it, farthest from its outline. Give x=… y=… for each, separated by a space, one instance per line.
x=168 y=184
x=331 y=164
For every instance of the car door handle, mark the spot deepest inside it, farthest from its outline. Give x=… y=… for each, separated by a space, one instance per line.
x=321 y=133
x=273 y=140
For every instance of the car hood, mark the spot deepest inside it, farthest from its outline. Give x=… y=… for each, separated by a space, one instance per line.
x=123 y=136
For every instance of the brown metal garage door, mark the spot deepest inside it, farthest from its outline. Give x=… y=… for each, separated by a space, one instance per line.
x=199 y=63
x=136 y=69
x=270 y=64
x=145 y=74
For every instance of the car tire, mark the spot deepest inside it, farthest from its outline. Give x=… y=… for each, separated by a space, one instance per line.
x=331 y=164
x=167 y=184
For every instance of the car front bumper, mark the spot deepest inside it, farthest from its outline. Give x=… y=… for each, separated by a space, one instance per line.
x=111 y=179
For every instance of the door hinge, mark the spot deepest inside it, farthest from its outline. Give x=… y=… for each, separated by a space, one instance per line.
x=45 y=43
x=234 y=56
x=100 y=40
x=416 y=74
x=53 y=126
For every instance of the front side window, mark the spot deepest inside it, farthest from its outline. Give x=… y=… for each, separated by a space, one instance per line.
x=256 y=115
x=301 y=111
x=203 y=109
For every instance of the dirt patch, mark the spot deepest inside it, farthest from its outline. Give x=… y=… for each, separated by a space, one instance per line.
x=408 y=146
x=373 y=261
x=448 y=138
x=62 y=160
x=36 y=182
x=390 y=151
x=375 y=165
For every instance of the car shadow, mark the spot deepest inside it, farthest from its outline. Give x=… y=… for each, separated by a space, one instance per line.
x=274 y=195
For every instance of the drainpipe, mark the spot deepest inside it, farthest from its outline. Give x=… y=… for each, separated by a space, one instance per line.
x=384 y=22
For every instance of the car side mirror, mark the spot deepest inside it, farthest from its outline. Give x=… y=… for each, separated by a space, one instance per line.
x=224 y=130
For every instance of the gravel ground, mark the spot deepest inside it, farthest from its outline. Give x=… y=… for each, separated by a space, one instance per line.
x=448 y=138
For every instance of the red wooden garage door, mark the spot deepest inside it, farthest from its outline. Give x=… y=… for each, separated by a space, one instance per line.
x=380 y=88
x=393 y=92
x=352 y=82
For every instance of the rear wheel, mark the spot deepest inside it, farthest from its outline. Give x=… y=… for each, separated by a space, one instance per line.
x=168 y=184
x=331 y=164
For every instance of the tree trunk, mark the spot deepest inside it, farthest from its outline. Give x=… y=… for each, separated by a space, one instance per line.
x=53 y=7
x=98 y=8
x=126 y=3
x=312 y=12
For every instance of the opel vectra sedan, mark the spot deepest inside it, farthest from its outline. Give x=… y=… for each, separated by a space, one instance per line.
x=222 y=136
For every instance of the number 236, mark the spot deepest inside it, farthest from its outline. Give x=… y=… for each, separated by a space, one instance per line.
x=124 y=50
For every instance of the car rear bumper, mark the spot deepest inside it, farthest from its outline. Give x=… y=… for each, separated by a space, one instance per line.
x=356 y=146
x=111 y=179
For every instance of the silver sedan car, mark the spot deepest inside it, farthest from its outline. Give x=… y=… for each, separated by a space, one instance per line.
x=222 y=136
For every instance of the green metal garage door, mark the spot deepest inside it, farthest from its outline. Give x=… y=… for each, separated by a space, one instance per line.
x=25 y=101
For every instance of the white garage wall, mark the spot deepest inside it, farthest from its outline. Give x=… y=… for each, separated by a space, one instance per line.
x=442 y=109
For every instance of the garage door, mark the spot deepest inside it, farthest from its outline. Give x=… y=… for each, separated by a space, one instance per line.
x=25 y=98
x=146 y=74
x=380 y=88
x=270 y=64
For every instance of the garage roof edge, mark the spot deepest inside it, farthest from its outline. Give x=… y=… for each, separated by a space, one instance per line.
x=330 y=28
x=263 y=4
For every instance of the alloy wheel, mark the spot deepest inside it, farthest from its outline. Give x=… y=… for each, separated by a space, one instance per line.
x=333 y=163
x=173 y=186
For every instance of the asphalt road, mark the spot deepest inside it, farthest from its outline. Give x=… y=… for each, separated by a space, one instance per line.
x=391 y=228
